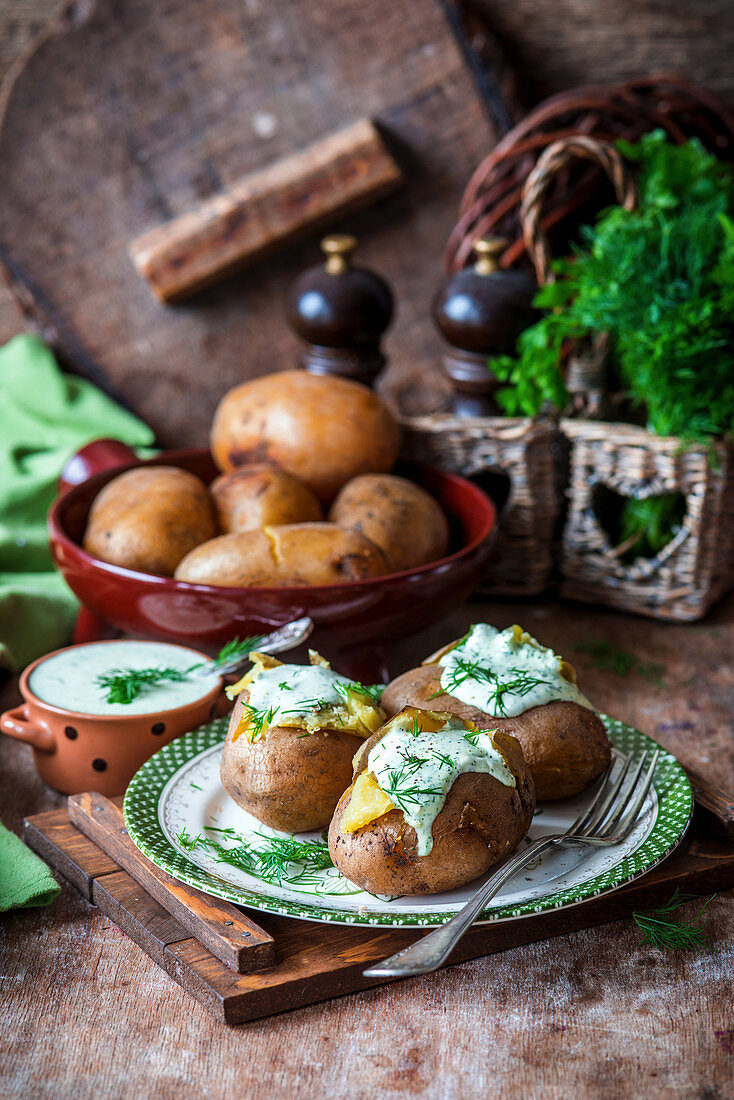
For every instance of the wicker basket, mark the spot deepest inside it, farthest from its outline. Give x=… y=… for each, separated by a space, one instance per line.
x=696 y=568
x=504 y=198
x=529 y=453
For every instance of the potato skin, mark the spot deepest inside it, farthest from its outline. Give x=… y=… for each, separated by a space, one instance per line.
x=293 y=554
x=398 y=516
x=287 y=781
x=149 y=519
x=565 y=745
x=480 y=822
x=251 y=497
x=322 y=430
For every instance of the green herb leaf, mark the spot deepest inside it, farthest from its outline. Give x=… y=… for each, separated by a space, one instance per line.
x=125 y=684
x=605 y=655
x=660 y=280
x=676 y=935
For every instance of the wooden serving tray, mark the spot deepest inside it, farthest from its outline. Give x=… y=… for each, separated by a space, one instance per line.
x=312 y=961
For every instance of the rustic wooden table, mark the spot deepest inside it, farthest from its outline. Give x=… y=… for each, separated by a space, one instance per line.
x=84 y=1012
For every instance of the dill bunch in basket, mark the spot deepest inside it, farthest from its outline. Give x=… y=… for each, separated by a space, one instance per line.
x=660 y=280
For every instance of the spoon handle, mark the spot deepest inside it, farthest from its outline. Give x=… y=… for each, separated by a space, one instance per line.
x=285 y=637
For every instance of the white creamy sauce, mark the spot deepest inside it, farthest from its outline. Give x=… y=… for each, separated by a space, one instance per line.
x=502 y=676
x=416 y=770
x=69 y=678
x=296 y=690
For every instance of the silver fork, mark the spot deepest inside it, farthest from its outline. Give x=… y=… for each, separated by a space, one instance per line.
x=608 y=819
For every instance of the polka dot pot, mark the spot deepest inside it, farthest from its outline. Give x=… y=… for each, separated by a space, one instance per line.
x=76 y=752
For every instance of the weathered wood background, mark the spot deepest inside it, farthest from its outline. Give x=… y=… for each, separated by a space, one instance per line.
x=162 y=119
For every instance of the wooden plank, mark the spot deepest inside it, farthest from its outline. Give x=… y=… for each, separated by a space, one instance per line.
x=224 y=930
x=55 y=839
x=139 y=915
x=336 y=175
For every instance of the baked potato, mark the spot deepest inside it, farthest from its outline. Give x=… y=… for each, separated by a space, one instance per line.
x=390 y=834
x=398 y=516
x=564 y=742
x=288 y=762
x=324 y=431
x=149 y=519
x=251 y=497
x=293 y=554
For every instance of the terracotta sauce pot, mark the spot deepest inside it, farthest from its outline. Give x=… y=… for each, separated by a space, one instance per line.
x=76 y=752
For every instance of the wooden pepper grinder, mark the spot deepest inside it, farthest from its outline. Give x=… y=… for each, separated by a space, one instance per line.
x=480 y=311
x=341 y=312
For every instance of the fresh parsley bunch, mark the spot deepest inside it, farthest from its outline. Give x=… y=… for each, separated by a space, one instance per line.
x=660 y=280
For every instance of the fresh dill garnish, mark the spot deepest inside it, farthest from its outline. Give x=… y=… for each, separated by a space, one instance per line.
x=372 y=692
x=125 y=684
x=677 y=935
x=521 y=682
x=235 y=649
x=443 y=759
x=609 y=657
x=259 y=719
x=416 y=729
x=472 y=736
x=274 y=859
x=285 y=686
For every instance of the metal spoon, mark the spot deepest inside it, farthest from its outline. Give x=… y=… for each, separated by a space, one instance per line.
x=285 y=637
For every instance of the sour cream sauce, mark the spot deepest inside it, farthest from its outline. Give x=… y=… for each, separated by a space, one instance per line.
x=296 y=689
x=69 y=679
x=502 y=660
x=417 y=770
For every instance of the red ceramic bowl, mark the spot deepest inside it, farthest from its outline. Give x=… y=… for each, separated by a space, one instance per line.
x=347 y=615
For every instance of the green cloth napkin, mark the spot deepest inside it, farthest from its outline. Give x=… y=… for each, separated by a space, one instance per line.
x=25 y=880
x=45 y=416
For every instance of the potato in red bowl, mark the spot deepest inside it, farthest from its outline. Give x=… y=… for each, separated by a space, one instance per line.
x=348 y=614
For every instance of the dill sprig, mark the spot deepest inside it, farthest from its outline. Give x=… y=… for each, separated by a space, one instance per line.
x=274 y=859
x=677 y=935
x=609 y=657
x=125 y=684
x=520 y=682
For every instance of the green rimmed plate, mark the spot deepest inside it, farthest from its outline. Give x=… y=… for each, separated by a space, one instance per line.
x=178 y=795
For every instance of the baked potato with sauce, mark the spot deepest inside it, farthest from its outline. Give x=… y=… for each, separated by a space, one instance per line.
x=289 y=769
x=480 y=821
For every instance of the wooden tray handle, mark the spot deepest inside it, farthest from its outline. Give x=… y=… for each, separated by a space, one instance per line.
x=236 y=940
x=552 y=159
x=717 y=805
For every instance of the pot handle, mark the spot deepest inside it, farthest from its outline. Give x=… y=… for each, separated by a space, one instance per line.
x=95 y=458
x=16 y=724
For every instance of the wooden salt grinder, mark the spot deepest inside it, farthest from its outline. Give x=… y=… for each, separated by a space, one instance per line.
x=341 y=312
x=480 y=311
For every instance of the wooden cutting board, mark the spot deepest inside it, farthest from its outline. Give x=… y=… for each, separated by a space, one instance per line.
x=128 y=114
x=316 y=961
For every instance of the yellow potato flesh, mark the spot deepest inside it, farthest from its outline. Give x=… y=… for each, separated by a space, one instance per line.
x=368 y=802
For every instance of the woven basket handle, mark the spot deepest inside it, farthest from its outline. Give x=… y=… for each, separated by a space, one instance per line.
x=551 y=160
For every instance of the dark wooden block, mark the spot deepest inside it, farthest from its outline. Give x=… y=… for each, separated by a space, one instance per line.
x=56 y=840
x=224 y=930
